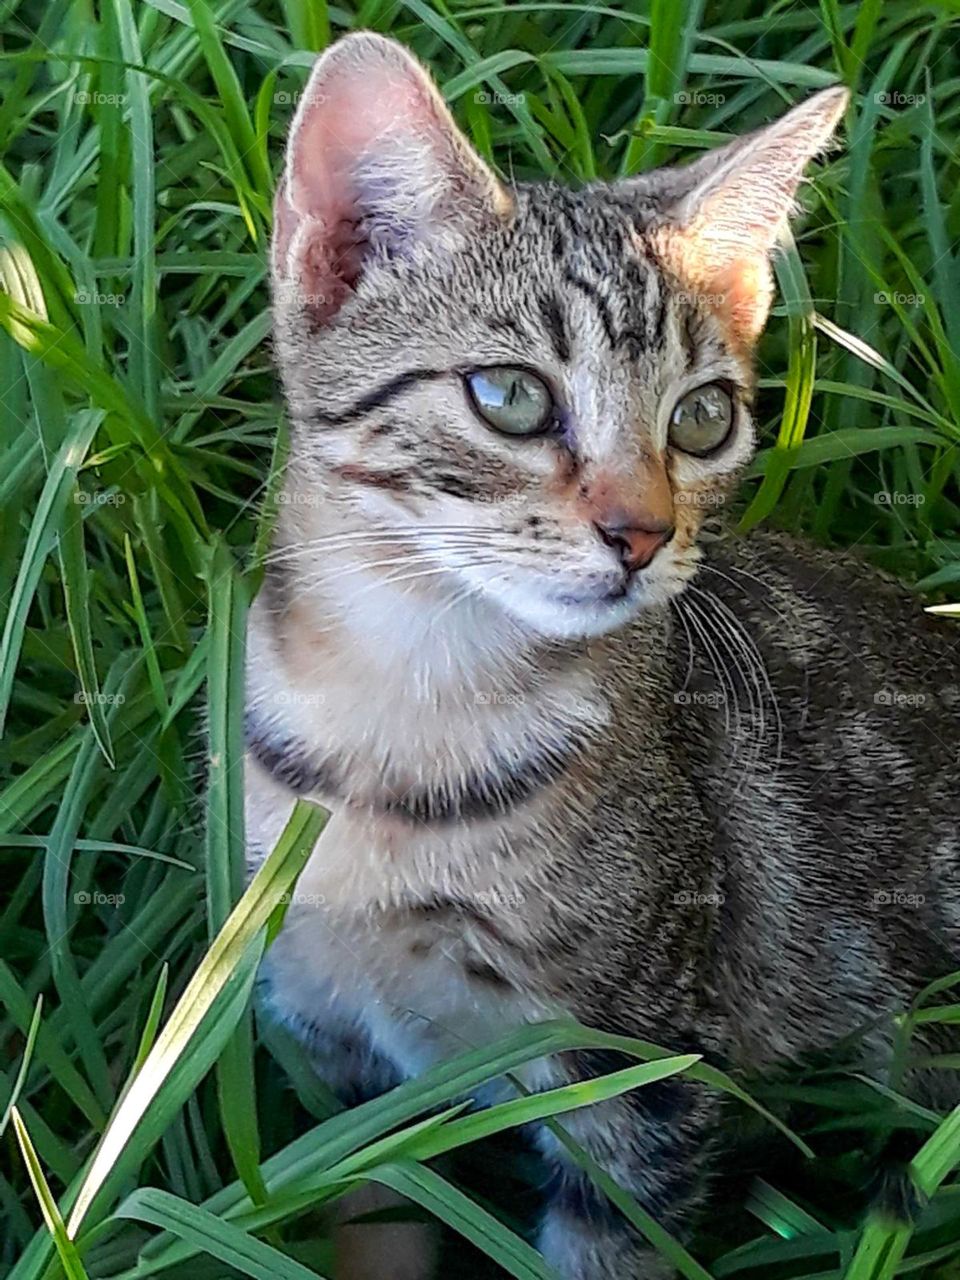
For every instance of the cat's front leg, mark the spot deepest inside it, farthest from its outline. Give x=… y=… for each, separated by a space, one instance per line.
x=654 y=1144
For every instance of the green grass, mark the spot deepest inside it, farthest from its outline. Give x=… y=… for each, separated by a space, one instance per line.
x=138 y=450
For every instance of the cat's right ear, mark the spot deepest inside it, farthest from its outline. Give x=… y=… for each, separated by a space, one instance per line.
x=374 y=164
x=721 y=217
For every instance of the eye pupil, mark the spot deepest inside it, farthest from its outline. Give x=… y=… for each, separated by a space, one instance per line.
x=511 y=400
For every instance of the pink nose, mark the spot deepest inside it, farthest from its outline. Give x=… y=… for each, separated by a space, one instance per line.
x=636 y=545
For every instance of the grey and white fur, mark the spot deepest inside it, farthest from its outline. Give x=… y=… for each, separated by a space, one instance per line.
x=583 y=756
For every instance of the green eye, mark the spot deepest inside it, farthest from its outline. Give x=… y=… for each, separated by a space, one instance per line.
x=701 y=420
x=514 y=401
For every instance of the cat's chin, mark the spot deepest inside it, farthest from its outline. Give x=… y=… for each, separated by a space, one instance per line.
x=573 y=616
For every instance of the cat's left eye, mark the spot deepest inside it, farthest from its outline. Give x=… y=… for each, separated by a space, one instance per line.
x=702 y=419
x=515 y=401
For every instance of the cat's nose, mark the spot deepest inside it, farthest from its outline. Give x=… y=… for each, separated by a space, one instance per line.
x=636 y=545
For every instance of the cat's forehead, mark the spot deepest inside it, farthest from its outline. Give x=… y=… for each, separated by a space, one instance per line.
x=565 y=237
x=571 y=220
x=571 y=273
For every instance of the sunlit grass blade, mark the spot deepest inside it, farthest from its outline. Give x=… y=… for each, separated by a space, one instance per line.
x=24 y=1065
x=801 y=372
x=66 y=1250
x=226 y=960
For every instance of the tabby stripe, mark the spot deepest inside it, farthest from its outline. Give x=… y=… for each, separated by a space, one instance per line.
x=443 y=908
x=657 y=323
x=379 y=396
x=504 y=324
x=289 y=763
x=277 y=588
x=555 y=326
x=459 y=486
x=600 y=303
x=395 y=479
x=488 y=793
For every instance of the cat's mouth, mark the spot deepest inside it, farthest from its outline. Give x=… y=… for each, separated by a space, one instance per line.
x=596 y=596
x=570 y=604
x=579 y=609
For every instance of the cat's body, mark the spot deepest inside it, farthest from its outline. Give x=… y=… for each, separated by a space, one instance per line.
x=711 y=804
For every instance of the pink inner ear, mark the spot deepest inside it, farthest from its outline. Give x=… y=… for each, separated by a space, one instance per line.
x=357 y=135
x=352 y=118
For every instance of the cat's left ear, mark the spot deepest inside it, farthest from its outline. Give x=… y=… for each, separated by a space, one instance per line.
x=374 y=165
x=723 y=214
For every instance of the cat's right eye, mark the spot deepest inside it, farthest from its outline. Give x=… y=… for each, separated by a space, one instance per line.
x=702 y=420
x=514 y=401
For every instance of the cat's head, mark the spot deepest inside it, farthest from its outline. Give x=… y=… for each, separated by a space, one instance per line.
x=530 y=396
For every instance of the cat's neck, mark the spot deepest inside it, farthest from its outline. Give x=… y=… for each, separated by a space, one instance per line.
x=355 y=662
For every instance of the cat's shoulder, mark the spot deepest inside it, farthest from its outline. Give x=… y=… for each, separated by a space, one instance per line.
x=776 y=575
x=828 y=620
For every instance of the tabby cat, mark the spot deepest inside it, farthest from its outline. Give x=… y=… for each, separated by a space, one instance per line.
x=585 y=752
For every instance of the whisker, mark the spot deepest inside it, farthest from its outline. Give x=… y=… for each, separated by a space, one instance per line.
x=723 y=676
x=745 y=673
x=375 y=533
x=739 y=643
x=750 y=644
x=690 y=648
